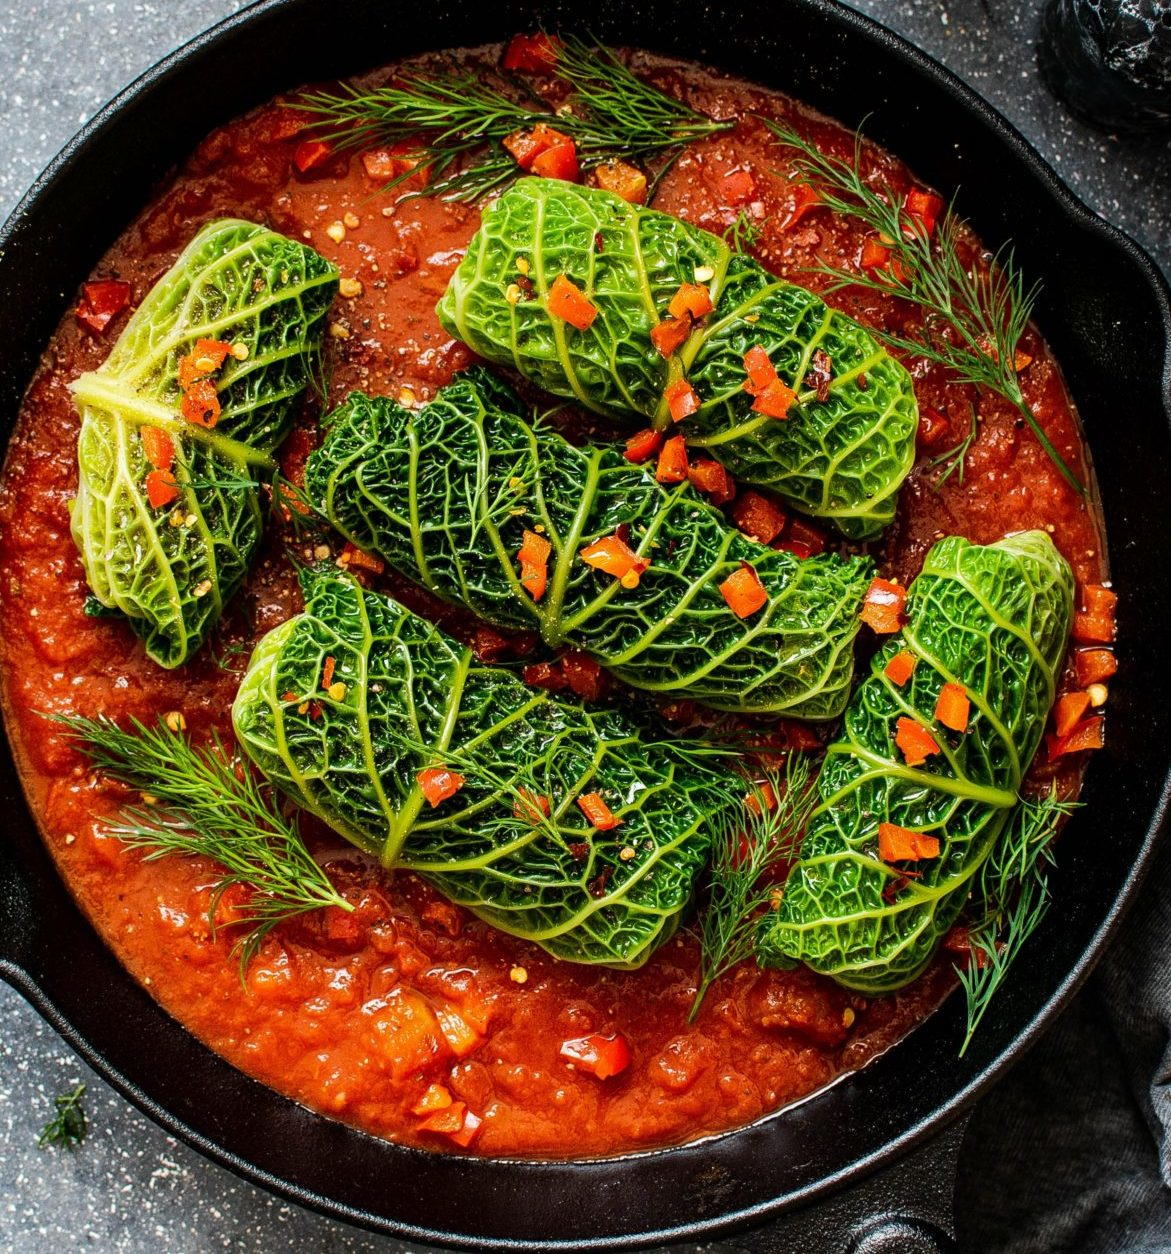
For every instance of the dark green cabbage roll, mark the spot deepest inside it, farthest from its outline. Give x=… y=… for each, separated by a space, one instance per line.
x=446 y=493
x=996 y=620
x=346 y=704
x=849 y=442
x=170 y=568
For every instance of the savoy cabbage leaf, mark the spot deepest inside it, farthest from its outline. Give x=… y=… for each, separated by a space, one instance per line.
x=402 y=697
x=446 y=492
x=171 y=570
x=996 y=619
x=846 y=447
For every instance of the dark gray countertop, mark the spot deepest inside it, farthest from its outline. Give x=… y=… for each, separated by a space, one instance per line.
x=132 y=1188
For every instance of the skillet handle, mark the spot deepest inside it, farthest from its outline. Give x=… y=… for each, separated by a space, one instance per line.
x=906 y=1208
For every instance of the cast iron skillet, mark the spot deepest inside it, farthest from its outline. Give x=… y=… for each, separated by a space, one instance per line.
x=1105 y=310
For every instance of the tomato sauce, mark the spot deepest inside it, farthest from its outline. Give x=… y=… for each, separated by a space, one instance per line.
x=351 y=1014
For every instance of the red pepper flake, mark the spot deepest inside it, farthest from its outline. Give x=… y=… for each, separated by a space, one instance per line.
x=579 y=851
x=597 y=886
x=819 y=379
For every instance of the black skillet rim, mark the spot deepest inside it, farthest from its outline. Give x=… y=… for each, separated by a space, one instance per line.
x=916 y=62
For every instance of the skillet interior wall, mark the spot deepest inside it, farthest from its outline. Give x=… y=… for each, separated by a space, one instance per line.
x=1096 y=287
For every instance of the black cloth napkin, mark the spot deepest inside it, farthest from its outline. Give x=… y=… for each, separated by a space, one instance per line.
x=1072 y=1151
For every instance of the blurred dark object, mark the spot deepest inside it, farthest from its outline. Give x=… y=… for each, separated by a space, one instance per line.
x=1110 y=61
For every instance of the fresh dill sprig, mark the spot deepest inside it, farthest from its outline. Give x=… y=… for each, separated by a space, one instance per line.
x=456 y=119
x=202 y=802
x=954 y=459
x=68 y=1126
x=743 y=233
x=1013 y=895
x=747 y=844
x=976 y=315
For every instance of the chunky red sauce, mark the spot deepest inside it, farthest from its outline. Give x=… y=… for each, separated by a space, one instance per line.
x=336 y=1010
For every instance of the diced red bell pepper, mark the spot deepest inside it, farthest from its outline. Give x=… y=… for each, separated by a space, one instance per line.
x=1069 y=711
x=712 y=479
x=805 y=200
x=601 y=1056
x=531 y=807
x=923 y=208
x=569 y=303
x=758 y=516
x=883 y=606
x=672 y=466
x=161 y=488
x=692 y=299
x=776 y=400
x=384 y=164
x=158 y=447
x=456 y=1122
x=744 y=592
x=1094 y=622
x=682 y=400
x=901 y=667
x=953 y=707
x=531 y=54
x=738 y=187
x=875 y=255
x=200 y=404
x=613 y=556
x=534 y=564
x=527 y=146
x=312 y=155
x=1087 y=735
x=670 y=335
x=803 y=539
x=438 y=783
x=760 y=370
x=544 y=675
x=623 y=180
x=915 y=742
x=934 y=428
x=583 y=674
x=558 y=162
x=900 y=844
x=762 y=798
x=643 y=445
x=1094 y=666
x=353 y=558
x=101 y=302
x=435 y=1098
x=598 y=812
